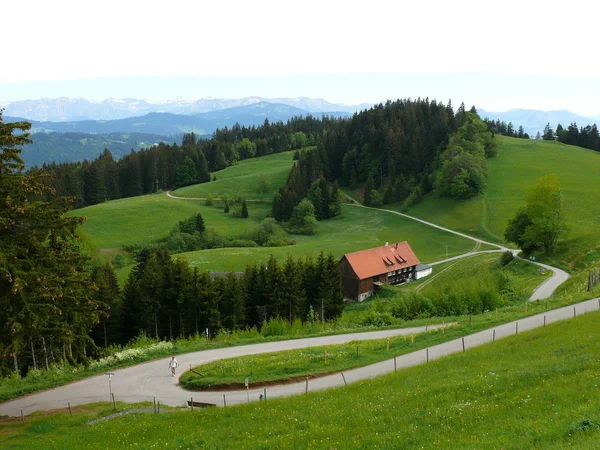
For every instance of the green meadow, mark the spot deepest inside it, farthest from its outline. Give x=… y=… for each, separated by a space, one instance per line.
x=255 y=179
x=149 y=218
x=518 y=165
x=355 y=229
x=537 y=390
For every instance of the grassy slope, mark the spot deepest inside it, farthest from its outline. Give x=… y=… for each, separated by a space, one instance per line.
x=149 y=218
x=244 y=179
x=355 y=229
x=518 y=164
x=534 y=390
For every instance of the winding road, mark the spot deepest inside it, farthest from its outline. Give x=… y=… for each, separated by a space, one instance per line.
x=544 y=290
x=150 y=380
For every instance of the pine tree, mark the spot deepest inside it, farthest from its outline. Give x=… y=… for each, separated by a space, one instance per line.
x=108 y=331
x=45 y=289
x=244 y=213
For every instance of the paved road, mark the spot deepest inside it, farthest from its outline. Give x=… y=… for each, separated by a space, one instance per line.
x=144 y=381
x=544 y=290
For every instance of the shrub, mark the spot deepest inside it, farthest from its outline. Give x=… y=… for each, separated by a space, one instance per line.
x=276 y=326
x=505 y=258
x=378 y=319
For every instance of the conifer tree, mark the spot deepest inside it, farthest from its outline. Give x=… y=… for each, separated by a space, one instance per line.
x=46 y=296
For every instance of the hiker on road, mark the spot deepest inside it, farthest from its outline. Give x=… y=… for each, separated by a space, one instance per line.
x=173 y=365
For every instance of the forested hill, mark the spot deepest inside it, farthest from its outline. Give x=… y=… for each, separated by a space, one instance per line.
x=397 y=151
x=71 y=147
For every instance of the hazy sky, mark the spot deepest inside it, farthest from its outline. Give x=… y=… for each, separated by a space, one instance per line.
x=534 y=54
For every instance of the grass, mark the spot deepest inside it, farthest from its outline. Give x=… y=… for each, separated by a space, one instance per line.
x=518 y=164
x=296 y=364
x=537 y=390
x=149 y=218
x=355 y=229
x=245 y=179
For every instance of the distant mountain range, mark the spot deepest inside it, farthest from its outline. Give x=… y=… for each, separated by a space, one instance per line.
x=203 y=124
x=86 y=139
x=533 y=120
x=77 y=109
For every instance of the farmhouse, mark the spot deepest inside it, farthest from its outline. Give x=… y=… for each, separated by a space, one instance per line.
x=363 y=272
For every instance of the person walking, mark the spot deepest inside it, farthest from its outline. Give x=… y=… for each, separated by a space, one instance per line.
x=173 y=364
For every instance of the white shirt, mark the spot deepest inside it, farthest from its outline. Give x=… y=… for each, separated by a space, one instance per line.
x=173 y=363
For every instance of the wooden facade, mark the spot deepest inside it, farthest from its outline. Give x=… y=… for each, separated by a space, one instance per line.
x=362 y=271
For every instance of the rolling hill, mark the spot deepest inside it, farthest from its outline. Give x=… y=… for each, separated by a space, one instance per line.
x=518 y=164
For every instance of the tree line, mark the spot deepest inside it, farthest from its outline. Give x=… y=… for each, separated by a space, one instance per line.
x=393 y=148
x=586 y=137
x=170 y=166
x=164 y=297
x=506 y=129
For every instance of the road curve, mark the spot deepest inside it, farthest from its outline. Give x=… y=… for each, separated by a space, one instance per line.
x=544 y=290
x=148 y=380
x=152 y=379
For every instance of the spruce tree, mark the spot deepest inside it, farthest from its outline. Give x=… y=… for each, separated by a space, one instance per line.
x=46 y=296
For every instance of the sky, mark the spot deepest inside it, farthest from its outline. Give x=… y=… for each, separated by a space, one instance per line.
x=495 y=55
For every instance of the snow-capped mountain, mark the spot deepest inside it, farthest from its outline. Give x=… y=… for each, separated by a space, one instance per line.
x=65 y=109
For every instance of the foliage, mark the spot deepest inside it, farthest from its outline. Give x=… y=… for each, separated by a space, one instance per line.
x=303 y=220
x=47 y=299
x=463 y=171
x=541 y=223
x=164 y=298
x=505 y=258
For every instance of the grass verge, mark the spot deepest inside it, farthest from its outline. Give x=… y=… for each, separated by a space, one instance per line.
x=537 y=390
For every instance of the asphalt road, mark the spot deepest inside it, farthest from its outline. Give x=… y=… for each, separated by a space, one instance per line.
x=148 y=380
x=152 y=379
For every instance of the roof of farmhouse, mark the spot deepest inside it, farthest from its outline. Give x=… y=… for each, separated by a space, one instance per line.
x=375 y=261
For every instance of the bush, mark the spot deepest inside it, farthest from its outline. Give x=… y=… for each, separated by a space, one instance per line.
x=276 y=326
x=505 y=258
x=378 y=319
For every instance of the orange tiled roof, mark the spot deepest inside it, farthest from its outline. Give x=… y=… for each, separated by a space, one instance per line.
x=375 y=261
